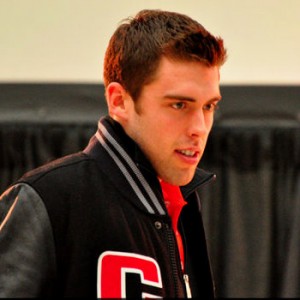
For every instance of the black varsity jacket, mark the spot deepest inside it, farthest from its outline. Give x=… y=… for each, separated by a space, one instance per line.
x=94 y=224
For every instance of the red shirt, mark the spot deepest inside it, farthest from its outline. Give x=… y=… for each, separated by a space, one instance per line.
x=174 y=202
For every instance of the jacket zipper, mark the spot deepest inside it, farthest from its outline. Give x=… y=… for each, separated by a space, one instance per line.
x=173 y=258
x=174 y=264
x=185 y=275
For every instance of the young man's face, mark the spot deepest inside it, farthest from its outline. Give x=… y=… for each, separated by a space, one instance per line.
x=173 y=116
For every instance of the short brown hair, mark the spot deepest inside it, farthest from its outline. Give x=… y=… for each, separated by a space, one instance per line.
x=136 y=47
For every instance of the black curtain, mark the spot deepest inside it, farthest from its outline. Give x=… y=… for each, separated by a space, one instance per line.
x=26 y=146
x=251 y=212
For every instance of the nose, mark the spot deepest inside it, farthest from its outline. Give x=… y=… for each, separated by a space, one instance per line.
x=199 y=124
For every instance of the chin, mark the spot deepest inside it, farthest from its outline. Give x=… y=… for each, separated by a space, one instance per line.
x=177 y=177
x=178 y=181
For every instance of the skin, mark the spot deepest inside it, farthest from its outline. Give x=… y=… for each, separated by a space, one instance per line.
x=172 y=118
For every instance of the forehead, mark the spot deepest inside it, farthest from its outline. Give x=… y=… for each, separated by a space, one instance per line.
x=185 y=77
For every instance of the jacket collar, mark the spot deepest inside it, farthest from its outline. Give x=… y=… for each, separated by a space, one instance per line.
x=136 y=168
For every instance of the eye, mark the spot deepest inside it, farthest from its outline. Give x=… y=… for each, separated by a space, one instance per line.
x=211 y=107
x=178 y=105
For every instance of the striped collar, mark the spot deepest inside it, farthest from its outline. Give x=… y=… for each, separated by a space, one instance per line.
x=136 y=169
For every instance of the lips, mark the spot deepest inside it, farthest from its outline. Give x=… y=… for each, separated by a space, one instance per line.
x=188 y=153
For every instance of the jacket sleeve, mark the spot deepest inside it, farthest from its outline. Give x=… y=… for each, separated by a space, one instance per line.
x=27 y=257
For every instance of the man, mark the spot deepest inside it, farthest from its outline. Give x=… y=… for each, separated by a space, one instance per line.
x=122 y=218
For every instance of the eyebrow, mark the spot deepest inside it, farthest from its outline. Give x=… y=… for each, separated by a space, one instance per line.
x=189 y=99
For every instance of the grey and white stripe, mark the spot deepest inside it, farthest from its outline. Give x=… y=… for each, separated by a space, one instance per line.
x=133 y=168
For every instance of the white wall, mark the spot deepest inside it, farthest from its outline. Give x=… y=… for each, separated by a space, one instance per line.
x=65 y=40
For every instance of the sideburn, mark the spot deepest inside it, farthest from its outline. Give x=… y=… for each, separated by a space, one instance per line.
x=137 y=107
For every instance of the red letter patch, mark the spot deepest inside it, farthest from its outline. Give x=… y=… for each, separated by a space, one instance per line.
x=113 y=267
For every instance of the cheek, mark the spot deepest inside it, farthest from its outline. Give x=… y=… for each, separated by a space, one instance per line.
x=209 y=120
x=157 y=131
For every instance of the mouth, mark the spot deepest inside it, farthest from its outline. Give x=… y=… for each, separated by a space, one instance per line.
x=188 y=153
x=189 y=156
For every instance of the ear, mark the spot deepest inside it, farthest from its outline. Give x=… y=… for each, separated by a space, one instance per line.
x=116 y=100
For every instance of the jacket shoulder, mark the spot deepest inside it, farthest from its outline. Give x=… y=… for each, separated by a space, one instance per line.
x=65 y=164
